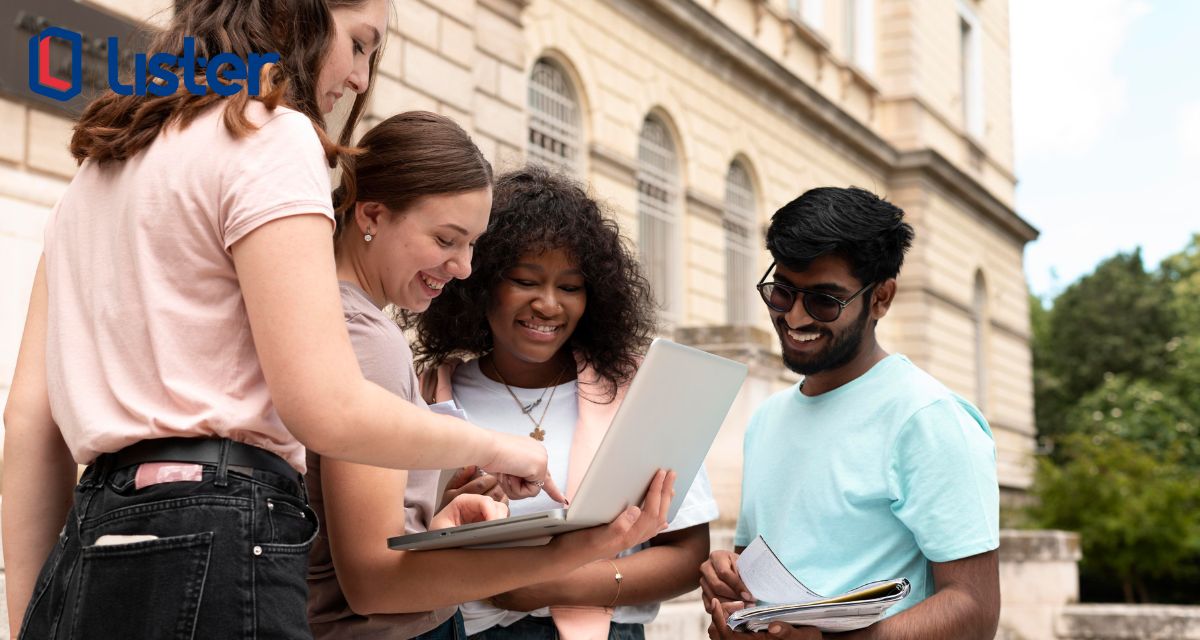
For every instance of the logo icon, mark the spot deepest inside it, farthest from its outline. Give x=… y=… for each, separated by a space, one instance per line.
x=41 y=78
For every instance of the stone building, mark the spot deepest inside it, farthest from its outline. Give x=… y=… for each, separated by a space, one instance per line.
x=694 y=120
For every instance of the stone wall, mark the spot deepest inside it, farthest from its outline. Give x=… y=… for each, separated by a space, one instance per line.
x=1039 y=577
x=1128 y=622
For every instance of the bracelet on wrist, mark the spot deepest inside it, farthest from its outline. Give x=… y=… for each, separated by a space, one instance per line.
x=616 y=577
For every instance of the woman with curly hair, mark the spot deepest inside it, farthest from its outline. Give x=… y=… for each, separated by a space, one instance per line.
x=552 y=322
x=410 y=207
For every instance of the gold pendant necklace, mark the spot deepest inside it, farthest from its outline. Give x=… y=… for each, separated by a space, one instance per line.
x=538 y=433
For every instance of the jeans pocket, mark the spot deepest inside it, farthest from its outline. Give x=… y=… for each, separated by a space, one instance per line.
x=162 y=579
x=280 y=569
x=292 y=522
x=49 y=592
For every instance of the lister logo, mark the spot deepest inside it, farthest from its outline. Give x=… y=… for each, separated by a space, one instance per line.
x=41 y=80
x=156 y=74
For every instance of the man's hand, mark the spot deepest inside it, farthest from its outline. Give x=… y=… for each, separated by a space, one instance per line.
x=473 y=480
x=719 y=628
x=466 y=509
x=719 y=579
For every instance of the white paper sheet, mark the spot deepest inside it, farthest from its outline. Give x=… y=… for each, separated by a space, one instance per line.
x=768 y=580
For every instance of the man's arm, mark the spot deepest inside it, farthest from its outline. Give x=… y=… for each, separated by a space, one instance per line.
x=965 y=606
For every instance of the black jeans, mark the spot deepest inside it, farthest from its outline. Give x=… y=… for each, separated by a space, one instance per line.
x=228 y=559
x=535 y=628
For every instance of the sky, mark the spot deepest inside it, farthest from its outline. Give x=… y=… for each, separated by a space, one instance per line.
x=1106 y=116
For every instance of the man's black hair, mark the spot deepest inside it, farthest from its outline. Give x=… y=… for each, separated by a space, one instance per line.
x=867 y=230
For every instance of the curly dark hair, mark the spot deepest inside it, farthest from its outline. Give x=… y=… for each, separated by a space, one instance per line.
x=535 y=210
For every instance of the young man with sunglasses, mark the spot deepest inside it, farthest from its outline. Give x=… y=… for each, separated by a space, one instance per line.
x=869 y=468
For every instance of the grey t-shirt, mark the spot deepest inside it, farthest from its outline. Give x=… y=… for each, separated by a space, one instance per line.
x=385 y=359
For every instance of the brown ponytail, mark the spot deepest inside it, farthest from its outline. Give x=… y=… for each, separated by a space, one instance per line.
x=407 y=157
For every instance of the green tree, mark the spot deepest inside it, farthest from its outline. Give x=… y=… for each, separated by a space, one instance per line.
x=1147 y=413
x=1181 y=273
x=1135 y=512
x=1118 y=319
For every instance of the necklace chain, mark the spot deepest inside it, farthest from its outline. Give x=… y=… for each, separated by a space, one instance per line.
x=538 y=433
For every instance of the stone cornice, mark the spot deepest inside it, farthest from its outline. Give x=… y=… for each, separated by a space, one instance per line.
x=702 y=203
x=728 y=48
x=927 y=163
x=726 y=43
x=941 y=118
x=613 y=163
x=510 y=9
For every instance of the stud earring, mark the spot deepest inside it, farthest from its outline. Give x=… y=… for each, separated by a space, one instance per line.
x=368 y=237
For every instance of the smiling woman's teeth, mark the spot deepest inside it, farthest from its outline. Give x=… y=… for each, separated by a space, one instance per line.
x=803 y=337
x=433 y=284
x=541 y=328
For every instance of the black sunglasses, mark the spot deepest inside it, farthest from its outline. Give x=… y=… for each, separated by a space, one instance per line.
x=821 y=306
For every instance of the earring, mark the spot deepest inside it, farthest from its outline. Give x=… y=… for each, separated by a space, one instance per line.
x=368 y=237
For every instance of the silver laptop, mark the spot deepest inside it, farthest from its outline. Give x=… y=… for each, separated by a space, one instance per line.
x=668 y=420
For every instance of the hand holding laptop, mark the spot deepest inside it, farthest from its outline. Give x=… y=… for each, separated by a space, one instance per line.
x=634 y=526
x=667 y=420
x=518 y=479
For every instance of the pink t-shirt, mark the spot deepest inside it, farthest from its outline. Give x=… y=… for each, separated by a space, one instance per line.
x=148 y=333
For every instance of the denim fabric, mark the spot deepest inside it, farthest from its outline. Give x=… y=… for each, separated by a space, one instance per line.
x=229 y=560
x=451 y=629
x=535 y=628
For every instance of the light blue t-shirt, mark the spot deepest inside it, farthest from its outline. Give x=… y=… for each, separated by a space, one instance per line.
x=870 y=481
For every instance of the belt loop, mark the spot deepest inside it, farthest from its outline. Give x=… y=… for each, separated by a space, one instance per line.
x=103 y=467
x=222 y=478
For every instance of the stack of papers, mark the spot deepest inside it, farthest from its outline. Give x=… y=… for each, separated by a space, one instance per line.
x=787 y=600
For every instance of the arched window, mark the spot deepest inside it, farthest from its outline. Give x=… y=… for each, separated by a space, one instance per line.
x=741 y=242
x=979 y=316
x=658 y=211
x=555 y=122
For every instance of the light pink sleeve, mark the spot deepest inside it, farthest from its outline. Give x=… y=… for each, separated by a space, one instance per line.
x=275 y=172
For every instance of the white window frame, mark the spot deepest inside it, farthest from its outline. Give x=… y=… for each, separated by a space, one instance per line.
x=741 y=244
x=971 y=61
x=660 y=219
x=859 y=32
x=810 y=12
x=555 y=128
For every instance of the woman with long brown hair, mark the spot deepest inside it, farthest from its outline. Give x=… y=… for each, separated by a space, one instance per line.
x=411 y=207
x=185 y=341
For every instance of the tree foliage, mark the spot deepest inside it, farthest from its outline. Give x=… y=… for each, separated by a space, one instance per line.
x=1135 y=511
x=1117 y=390
x=1116 y=320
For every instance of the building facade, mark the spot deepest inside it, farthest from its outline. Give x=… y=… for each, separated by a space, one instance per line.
x=694 y=120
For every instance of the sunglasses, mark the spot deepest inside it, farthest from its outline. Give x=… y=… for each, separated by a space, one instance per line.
x=822 y=307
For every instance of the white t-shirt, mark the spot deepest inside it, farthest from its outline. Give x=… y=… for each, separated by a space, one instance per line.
x=488 y=404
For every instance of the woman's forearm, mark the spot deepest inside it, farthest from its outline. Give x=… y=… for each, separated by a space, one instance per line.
x=450 y=577
x=660 y=572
